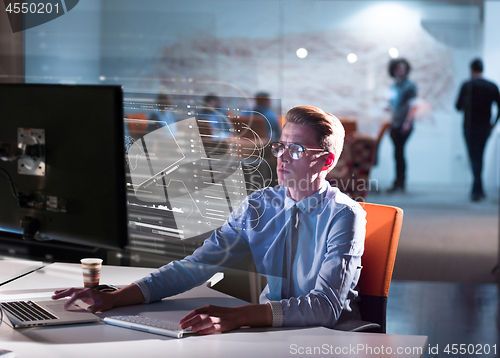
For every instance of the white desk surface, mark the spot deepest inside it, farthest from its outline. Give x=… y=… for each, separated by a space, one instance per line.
x=102 y=340
x=12 y=268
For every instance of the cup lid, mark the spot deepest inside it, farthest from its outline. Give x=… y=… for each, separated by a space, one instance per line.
x=91 y=261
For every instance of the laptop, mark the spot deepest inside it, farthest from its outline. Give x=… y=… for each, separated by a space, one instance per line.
x=23 y=314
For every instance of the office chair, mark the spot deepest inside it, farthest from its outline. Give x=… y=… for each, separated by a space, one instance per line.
x=383 y=226
x=385 y=125
x=137 y=124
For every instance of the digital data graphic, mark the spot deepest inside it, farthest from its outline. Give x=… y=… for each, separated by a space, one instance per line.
x=189 y=168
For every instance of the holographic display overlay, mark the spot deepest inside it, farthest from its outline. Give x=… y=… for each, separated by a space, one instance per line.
x=190 y=166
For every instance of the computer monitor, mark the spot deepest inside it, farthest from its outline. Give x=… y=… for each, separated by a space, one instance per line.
x=62 y=173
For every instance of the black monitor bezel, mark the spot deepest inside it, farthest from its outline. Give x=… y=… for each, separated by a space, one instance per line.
x=97 y=101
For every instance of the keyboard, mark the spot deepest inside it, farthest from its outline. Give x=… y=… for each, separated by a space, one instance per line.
x=26 y=311
x=150 y=325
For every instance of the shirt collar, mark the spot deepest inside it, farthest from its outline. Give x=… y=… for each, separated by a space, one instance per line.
x=309 y=203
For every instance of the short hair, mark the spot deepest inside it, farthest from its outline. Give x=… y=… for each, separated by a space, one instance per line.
x=262 y=98
x=330 y=132
x=163 y=99
x=262 y=94
x=476 y=65
x=394 y=63
x=211 y=97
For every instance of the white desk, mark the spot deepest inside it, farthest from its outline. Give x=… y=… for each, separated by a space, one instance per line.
x=13 y=268
x=101 y=340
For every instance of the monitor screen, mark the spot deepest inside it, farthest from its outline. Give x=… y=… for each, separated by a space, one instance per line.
x=62 y=173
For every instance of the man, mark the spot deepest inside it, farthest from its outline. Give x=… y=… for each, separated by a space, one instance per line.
x=163 y=115
x=475 y=100
x=263 y=106
x=217 y=118
x=402 y=102
x=306 y=237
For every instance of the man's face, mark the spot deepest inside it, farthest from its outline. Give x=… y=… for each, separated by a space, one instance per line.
x=299 y=173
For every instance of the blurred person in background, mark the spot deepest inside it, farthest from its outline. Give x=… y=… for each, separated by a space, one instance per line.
x=216 y=117
x=263 y=106
x=475 y=99
x=403 y=95
x=163 y=114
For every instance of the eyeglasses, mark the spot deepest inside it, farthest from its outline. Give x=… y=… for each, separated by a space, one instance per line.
x=296 y=150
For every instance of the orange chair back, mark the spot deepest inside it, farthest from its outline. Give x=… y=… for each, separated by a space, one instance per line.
x=350 y=125
x=383 y=226
x=138 y=124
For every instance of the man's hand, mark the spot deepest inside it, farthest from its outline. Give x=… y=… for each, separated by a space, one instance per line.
x=98 y=301
x=214 y=319
x=101 y=301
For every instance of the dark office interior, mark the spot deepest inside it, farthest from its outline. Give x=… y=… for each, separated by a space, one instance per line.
x=332 y=54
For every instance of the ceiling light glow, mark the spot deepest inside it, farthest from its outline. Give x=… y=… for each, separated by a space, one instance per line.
x=301 y=53
x=393 y=52
x=351 y=58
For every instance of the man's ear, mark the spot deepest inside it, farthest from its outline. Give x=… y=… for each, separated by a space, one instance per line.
x=329 y=161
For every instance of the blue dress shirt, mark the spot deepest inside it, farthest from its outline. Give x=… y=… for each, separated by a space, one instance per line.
x=325 y=268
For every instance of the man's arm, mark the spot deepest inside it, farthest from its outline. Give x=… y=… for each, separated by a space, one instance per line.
x=460 y=103
x=406 y=126
x=496 y=99
x=102 y=301
x=224 y=247
x=412 y=103
x=176 y=277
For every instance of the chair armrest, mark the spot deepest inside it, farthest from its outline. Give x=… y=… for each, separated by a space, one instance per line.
x=358 y=326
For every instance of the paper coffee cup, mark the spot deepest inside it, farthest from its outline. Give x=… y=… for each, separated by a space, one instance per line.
x=91 y=272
